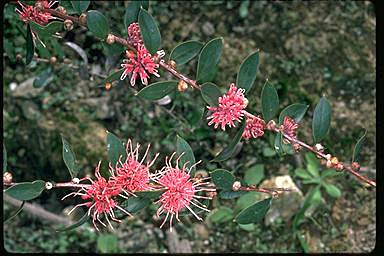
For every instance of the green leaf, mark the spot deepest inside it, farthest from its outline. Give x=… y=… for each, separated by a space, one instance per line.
x=132 y=11
x=279 y=147
x=113 y=77
x=210 y=93
x=329 y=173
x=321 y=120
x=254 y=174
x=228 y=151
x=48 y=30
x=231 y=194
x=97 y=24
x=185 y=52
x=9 y=50
x=80 y=6
x=4 y=159
x=254 y=213
x=44 y=78
x=312 y=164
x=269 y=101
x=115 y=149
x=247 y=227
x=25 y=191
x=183 y=146
x=111 y=50
x=246 y=200
x=357 y=149
x=149 y=31
x=16 y=213
x=149 y=194
x=295 y=111
x=107 y=243
x=69 y=158
x=30 y=47
x=247 y=72
x=303 y=242
x=135 y=204
x=157 y=90
x=221 y=215
x=300 y=172
x=75 y=225
x=268 y=152
x=313 y=197
x=208 y=60
x=223 y=179
x=332 y=190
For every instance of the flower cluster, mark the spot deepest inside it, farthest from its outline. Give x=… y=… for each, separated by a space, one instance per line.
x=289 y=127
x=132 y=175
x=134 y=35
x=34 y=13
x=254 y=127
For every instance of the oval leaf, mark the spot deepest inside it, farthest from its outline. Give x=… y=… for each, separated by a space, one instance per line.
x=132 y=11
x=254 y=174
x=221 y=214
x=115 y=149
x=26 y=190
x=77 y=224
x=332 y=190
x=48 y=30
x=69 y=158
x=231 y=194
x=269 y=101
x=135 y=204
x=80 y=6
x=210 y=93
x=295 y=111
x=223 y=179
x=112 y=77
x=157 y=90
x=209 y=59
x=247 y=72
x=321 y=119
x=228 y=151
x=357 y=149
x=254 y=213
x=149 y=31
x=183 y=147
x=185 y=52
x=97 y=24
x=30 y=47
x=44 y=78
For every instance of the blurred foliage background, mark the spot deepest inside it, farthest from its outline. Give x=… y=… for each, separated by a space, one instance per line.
x=307 y=50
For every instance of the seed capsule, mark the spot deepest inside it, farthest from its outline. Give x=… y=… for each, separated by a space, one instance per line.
x=68 y=25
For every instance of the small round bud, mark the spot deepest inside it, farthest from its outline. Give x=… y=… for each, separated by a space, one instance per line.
x=296 y=147
x=76 y=180
x=271 y=125
x=334 y=160
x=68 y=25
x=7 y=177
x=182 y=86
x=245 y=102
x=355 y=166
x=339 y=167
x=319 y=147
x=328 y=156
x=328 y=164
x=48 y=185
x=19 y=57
x=236 y=185
x=172 y=63
x=83 y=19
x=52 y=60
x=61 y=10
x=110 y=39
x=108 y=86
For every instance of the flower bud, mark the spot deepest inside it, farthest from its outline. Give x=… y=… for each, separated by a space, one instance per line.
x=182 y=86
x=271 y=125
x=19 y=57
x=328 y=156
x=236 y=185
x=68 y=25
x=339 y=167
x=83 y=19
x=172 y=63
x=48 y=185
x=7 y=177
x=334 y=160
x=110 y=39
x=355 y=166
x=319 y=147
x=245 y=102
x=52 y=60
x=39 y=6
x=61 y=10
x=296 y=147
x=76 y=180
x=108 y=86
x=328 y=164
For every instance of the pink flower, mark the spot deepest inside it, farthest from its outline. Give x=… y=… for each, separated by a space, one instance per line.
x=180 y=191
x=289 y=127
x=30 y=13
x=140 y=64
x=101 y=193
x=229 y=109
x=132 y=175
x=254 y=127
x=134 y=35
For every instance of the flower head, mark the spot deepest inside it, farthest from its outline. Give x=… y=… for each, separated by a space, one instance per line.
x=289 y=127
x=254 y=127
x=229 y=109
x=30 y=13
x=134 y=35
x=181 y=190
x=140 y=64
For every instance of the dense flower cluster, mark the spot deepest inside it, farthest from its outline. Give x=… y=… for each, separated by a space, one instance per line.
x=254 y=127
x=32 y=13
x=134 y=35
x=229 y=109
x=289 y=127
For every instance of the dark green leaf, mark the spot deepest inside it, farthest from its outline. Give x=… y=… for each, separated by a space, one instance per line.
x=149 y=194
x=48 y=30
x=221 y=215
x=269 y=101
x=77 y=224
x=357 y=149
x=279 y=144
x=69 y=158
x=303 y=242
x=4 y=159
x=115 y=149
x=300 y=172
x=332 y=190
x=247 y=72
x=185 y=52
x=313 y=197
x=231 y=194
x=30 y=47
x=254 y=213
x=183 y=146
x=268 y=152
x=135 y=204
x=111 y=50
x=321 y=120
x=97 y=24
x=228 y=151
x=9 y=50
x=80 y=6
x=246 y=200
x=107 y=243
x=132 y=11
x=223 y=179
x=295 y=111
x=112 y=77
x=254 y=174
x=329 y=173
x=25 y=191
x=209 y=59
x=210 y=93
x=16 y=213
x=157 y=90
x=44 y=78
x=149 y=31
